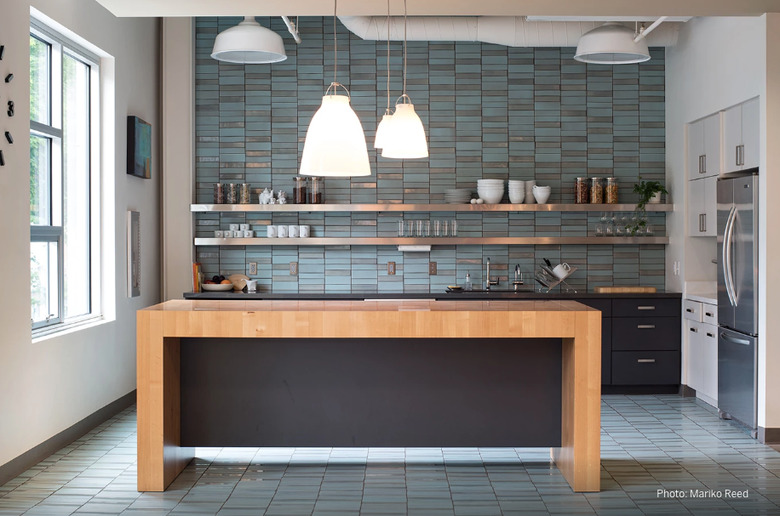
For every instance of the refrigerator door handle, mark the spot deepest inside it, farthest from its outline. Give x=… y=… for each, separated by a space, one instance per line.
x=728 y=270
x=734 y=340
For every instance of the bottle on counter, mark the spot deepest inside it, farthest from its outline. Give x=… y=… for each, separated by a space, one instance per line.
x=469 y=286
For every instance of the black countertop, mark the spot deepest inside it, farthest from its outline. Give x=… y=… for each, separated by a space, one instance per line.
x=493 y=294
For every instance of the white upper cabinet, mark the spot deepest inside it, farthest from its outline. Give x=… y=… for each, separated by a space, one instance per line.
x=704 y=147
x=741 y=136
x=702 y=206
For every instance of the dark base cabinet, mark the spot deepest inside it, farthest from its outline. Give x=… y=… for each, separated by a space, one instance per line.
x=640 y=343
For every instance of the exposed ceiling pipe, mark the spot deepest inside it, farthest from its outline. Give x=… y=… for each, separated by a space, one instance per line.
x=643 y=34
x=512 y=31
x=292 y=28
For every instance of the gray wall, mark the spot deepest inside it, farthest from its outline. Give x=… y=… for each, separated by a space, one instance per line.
x=489 y=111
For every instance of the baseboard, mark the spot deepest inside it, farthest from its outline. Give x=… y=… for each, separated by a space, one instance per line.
x=768 y=435
x=687 y=392
x=33 y=456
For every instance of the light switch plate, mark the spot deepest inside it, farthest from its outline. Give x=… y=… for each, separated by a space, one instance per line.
x=252 y=268
x=391 y=268
x=432 y=269
x=293 y=268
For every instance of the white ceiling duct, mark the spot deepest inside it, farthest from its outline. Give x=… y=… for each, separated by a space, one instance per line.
x=511 y=31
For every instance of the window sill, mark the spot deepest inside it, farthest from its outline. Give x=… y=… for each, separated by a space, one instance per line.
x=42 y=334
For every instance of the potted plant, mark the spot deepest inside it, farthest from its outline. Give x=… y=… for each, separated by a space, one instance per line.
x=648 y=191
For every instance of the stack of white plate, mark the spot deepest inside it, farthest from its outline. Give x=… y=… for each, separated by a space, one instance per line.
x=490 y=190
x=516 y=191
x=457 y=196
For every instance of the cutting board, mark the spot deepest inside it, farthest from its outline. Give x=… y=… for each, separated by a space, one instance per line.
x=624 y=290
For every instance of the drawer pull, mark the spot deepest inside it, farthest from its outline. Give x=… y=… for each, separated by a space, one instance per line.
x=708 y=314
x=689 y=310
x=694 y=330
x=645 y=361
x=645 y=326
x=648 y=307
x=711 y=335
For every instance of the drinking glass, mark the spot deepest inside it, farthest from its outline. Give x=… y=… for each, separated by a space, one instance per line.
x=444 y=230
x=437 y=228
x=427 y=228
x=419 y=228
x=599 y=231
x=411 y=228
x=401 y=228
x=454 y=228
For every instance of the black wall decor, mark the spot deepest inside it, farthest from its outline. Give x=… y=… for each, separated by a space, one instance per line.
x=10 y=139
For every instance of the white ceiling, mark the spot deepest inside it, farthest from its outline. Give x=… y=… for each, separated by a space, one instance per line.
x=622 y=8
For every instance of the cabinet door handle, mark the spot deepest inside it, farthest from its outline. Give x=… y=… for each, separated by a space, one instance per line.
x=689 y=310
x=742 y=154
x=645 y=307
x=645 y=326
x=694 y=330
x=703 y=222
x=703 y=163
x=736 y=157
x=645 y=361
x=710 y=335
x=709 y=314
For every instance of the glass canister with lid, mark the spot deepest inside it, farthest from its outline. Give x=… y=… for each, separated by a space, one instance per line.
x=316 y=190
x=596 y=190
x=581 y=193
x=299 y=190
x=612 y=190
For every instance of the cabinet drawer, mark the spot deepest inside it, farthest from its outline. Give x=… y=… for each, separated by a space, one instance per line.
x=645 y=333
x=709 y=314
x=646 y=307
x=692 y=310
x=645 y=367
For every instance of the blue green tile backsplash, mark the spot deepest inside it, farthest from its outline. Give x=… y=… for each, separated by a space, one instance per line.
x=489 y=112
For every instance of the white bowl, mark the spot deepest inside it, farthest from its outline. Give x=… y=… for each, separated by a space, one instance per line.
x=541 y=195
x=217 y=287
x=492 y=199
x=516 y=197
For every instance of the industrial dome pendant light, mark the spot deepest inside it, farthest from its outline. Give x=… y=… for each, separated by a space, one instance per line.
x=612 y=43
x=248 y=43
x=335 y=144
x=406 y=138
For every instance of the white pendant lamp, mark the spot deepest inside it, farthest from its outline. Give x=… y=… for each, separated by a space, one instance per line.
x=406 y=138
x=248 y=43
x=612 y=43
x=335 y=144
x=383 y=129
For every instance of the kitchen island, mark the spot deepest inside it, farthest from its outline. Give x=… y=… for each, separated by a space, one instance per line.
x=165 y=330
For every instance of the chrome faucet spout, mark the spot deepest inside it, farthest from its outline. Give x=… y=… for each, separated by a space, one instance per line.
x=488 y=281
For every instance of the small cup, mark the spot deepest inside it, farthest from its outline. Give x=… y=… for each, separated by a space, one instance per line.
x=234 y=227
x=219 y=234
x=292 y=231
x=304 y=231
x=251 y=285
x=248 y=233
x=270 y=231
x=227 y=234
x=243 y=227
x=562 y=270
x=238 y=234
x=281 y=231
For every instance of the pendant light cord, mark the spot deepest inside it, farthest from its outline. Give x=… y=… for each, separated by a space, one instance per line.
x=404 y=47
x=335 y=46
x=387 y=110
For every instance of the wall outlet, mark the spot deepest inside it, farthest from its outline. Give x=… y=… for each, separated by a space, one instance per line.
x=676 y=268
x=391 y=268
x=432 y=269
x=293 y=268
x=252 y=268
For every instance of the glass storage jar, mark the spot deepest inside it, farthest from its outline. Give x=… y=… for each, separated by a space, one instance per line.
x=596 y=190
x=581 y=190
x=299 y=190
x=612 y=190
x=316 y=190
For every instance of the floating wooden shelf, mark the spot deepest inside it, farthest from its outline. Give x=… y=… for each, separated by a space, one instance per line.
x=384 y=207
x=341 y=241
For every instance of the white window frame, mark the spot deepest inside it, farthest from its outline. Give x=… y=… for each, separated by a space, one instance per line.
x=59 y=45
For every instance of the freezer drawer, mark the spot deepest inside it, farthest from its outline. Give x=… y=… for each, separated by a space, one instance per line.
x=646 y=367
x=645 y=333
x=737 y=375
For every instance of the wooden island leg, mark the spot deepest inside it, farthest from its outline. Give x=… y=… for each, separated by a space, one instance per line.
x=579 y=457
x=160 y=458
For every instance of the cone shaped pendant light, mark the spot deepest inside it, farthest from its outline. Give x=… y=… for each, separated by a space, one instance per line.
x=383 y=129
x=406 y=135
x=335 y=144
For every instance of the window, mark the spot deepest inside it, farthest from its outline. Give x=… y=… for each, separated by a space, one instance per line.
x=64 y=107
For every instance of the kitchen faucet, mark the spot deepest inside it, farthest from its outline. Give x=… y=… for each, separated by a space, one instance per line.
x=488 y=281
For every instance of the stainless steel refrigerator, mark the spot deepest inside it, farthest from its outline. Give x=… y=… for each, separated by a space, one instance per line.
x=738 y=297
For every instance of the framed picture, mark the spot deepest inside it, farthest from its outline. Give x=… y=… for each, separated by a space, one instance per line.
x=133 y=254
x=139 y=148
